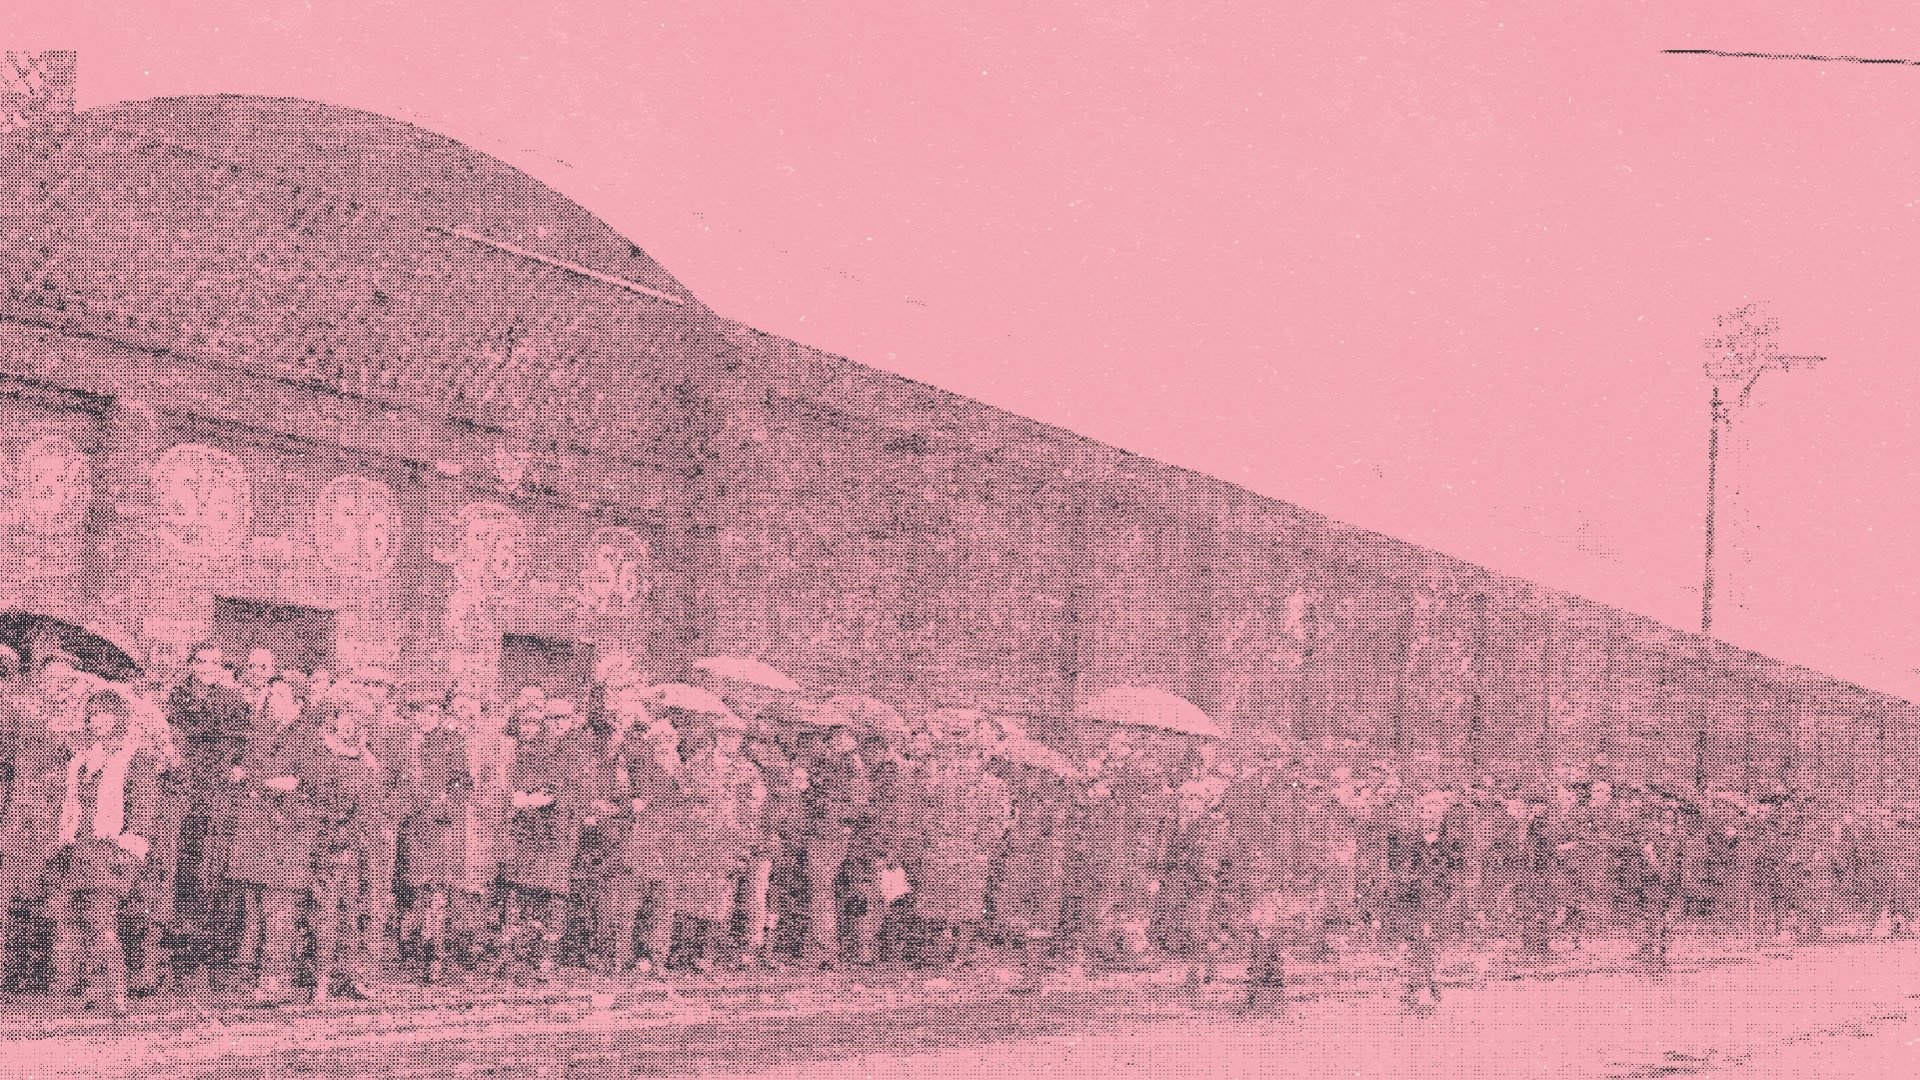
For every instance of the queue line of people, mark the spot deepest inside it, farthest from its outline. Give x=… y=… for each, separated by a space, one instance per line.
x=280 y=832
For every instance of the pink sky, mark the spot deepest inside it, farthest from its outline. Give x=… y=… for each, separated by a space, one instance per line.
x=1442 y=271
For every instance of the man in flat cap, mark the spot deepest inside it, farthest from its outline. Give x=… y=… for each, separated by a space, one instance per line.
x=553 y=792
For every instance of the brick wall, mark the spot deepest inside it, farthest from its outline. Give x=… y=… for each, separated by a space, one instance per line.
x=555 y=457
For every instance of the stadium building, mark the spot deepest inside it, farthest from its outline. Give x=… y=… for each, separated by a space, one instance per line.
x=274 y=371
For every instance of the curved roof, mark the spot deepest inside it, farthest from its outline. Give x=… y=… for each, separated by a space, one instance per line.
x=328 y=246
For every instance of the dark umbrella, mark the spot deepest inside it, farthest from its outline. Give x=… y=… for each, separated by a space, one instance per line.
x=34 y=635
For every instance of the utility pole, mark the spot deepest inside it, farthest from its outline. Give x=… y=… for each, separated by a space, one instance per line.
x=1743 y=349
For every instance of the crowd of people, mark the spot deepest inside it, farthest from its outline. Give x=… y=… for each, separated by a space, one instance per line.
x=279 y=833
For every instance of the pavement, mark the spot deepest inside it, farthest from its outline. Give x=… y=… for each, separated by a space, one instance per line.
x=1594 y=1010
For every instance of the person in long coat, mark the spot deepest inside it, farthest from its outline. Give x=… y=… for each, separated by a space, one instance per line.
x=109 y=792
x=271 y=859
x=435 y=836
x=838 y=794
x=392 y=733
x=213 y=721
x=772 y=890
x=148 y=915
x=1030 y=888
x=966 y=814
x=1257 y=892
x=886 y=837
x=1537 y=878
x=722 y=812
x=648 y=814
x=1425 y=864
x=554 y=786
x=350 y=800
x=30 y=823
x=1658 y=866
x=473 y=930
x=1193 y=905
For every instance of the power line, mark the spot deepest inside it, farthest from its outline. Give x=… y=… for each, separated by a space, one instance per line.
x=1791 y=56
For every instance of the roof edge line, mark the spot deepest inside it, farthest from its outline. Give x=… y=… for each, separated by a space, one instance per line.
x=561 y=264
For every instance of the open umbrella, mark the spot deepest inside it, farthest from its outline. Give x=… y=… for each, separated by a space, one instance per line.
x=32 y=635
x=694 y=701
x=1025 y=751
x=752 y=672
x=1141 y=706
x=862 y=711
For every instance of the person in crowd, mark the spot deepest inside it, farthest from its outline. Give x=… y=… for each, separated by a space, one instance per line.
x=1029 y=889
x=148 y=915
x=1373 y=825
x=1810 y=838
x=646 y=798
x=1191 y=908
x=271 y=857
x=772 y=890
x=1131 y=813
x=350 y=796
x=107 y=803
x=257 y=676
x=722 y=810
x=1540 y=883
x=1501 y=828
x=16 y=703
x=212 y=719
x=392 y=732
x=491 y=747
x=837 y=795
x=553 y=791
x=1424 y=864
x=966 y=810
x=1659 y=861
x=441 y=779
x=888 y=836
x=1771 y=865
x=36 y=792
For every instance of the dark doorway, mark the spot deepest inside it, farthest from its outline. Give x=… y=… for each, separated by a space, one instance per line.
x=559 y=667
x=302 y=638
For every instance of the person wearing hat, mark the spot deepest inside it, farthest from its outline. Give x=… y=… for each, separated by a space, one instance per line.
x=645 y=807
x=966 y=816
x=1424 y=864
x=1029 y=889
x=271 y=858
x=30 y=824
x=213 y=720
x=350 y=796
x=724 y=798
x=392 y=731
x=486 y=724
x=837 y=796
x=772 y=891
x=441 y=781
x=554 y=786
x=886 y=839
x=107 y=803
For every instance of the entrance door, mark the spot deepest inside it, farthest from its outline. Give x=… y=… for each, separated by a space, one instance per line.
x=559 y=667
x=302 y=638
